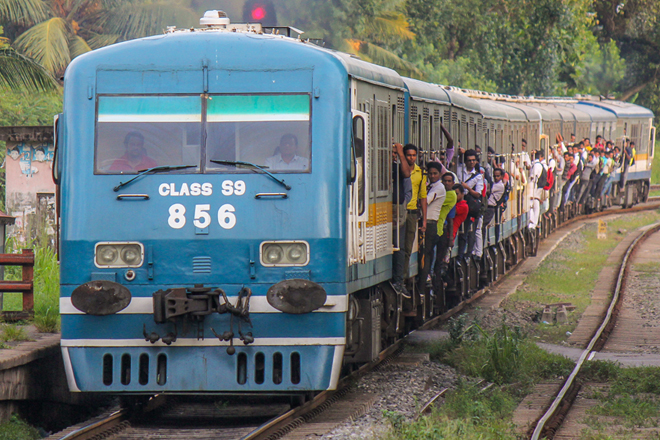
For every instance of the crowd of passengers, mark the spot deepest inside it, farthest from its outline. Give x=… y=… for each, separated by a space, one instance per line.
x=454 y=208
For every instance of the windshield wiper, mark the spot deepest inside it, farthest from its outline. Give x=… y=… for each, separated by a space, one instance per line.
x=253 y=166
x=159 y=169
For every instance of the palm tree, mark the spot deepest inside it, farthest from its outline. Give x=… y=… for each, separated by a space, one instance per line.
x=18 y=72
x=373 y=33
x=56 y=31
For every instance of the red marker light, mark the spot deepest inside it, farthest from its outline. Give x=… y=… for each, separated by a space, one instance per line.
x=258 y=13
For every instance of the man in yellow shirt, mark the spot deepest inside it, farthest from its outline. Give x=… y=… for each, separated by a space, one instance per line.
x=418 y=180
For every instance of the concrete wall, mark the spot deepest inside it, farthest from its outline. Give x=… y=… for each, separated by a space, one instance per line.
x=30 y=191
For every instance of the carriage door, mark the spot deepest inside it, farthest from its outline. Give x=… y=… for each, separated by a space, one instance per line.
x=359 y=206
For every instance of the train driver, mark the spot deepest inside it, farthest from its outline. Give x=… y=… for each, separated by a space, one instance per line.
x=286 y=157
x=135 y=158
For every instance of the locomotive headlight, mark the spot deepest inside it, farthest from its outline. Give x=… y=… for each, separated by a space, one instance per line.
x=274 y=254
x=118 y=254
x=296 y=253
x=131 y=254
x=284 y=253
x=106 y=255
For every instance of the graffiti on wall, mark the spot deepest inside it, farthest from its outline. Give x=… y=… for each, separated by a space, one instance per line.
x=26 y=154
x=30 y=191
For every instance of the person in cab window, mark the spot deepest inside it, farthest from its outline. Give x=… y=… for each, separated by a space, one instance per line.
x=135 y=157
x=286 y=157
x=418 y=181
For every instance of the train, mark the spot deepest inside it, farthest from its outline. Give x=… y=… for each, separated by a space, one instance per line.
x=225 y=201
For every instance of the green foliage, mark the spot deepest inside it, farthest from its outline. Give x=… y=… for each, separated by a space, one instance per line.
x=46 y=285
x=23 y=108
x=55 y=32
x=655 y=171
x=18 y=72
x=13 y=333
x=601 y=72
x=17 y=429
x=467 y=413
x=46 y=290
x=504 y=356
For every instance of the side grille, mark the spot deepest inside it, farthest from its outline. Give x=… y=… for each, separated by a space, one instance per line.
x=201 y=265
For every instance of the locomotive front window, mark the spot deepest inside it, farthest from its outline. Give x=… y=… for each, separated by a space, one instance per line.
x=134 y=133
x=272 y=131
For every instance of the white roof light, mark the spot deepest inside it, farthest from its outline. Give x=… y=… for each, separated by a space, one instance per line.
x=214 y=18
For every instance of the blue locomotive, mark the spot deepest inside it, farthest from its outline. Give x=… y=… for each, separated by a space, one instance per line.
x=226 y=206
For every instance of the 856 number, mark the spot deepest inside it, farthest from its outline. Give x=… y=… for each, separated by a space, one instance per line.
x=177 y=218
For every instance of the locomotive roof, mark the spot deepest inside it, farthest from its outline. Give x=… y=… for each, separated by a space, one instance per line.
x=194 y=46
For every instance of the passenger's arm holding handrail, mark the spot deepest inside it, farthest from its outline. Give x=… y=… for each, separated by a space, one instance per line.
x=405 y=168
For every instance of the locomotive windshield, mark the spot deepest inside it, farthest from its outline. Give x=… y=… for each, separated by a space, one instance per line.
x=268 y=130
x=134 y=133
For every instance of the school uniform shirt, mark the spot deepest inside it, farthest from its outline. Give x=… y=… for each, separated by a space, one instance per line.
x=418 y=181
x=465 y=176
x=537 y=170
x=496 y=193
x=524 y=159
x=435 y=197
x=447 y=206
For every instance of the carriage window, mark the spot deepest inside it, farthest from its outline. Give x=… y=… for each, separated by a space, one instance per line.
x=134 y=133
x=272 y=131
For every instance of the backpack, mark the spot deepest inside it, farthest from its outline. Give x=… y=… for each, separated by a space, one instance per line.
x=476 y=206
x=543 y=178
x=550 y=180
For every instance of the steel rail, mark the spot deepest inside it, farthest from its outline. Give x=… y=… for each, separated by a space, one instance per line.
x=540 y=429
x=98 y=427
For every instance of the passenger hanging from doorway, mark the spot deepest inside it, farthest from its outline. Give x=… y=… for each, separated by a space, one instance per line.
x=401 y=197
x=538 y=180
x=495 y=200
x=435 y=198
x=418 y=181
x=472 y=182
x=445 y=233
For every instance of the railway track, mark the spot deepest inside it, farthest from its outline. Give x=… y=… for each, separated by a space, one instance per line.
x=121 y=424
x=551 y=420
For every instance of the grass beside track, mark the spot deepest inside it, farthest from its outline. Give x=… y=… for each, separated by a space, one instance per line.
x=627 y=406
x=569 y=274
x=505 y=357
x=17 y=429
x=46 y=288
